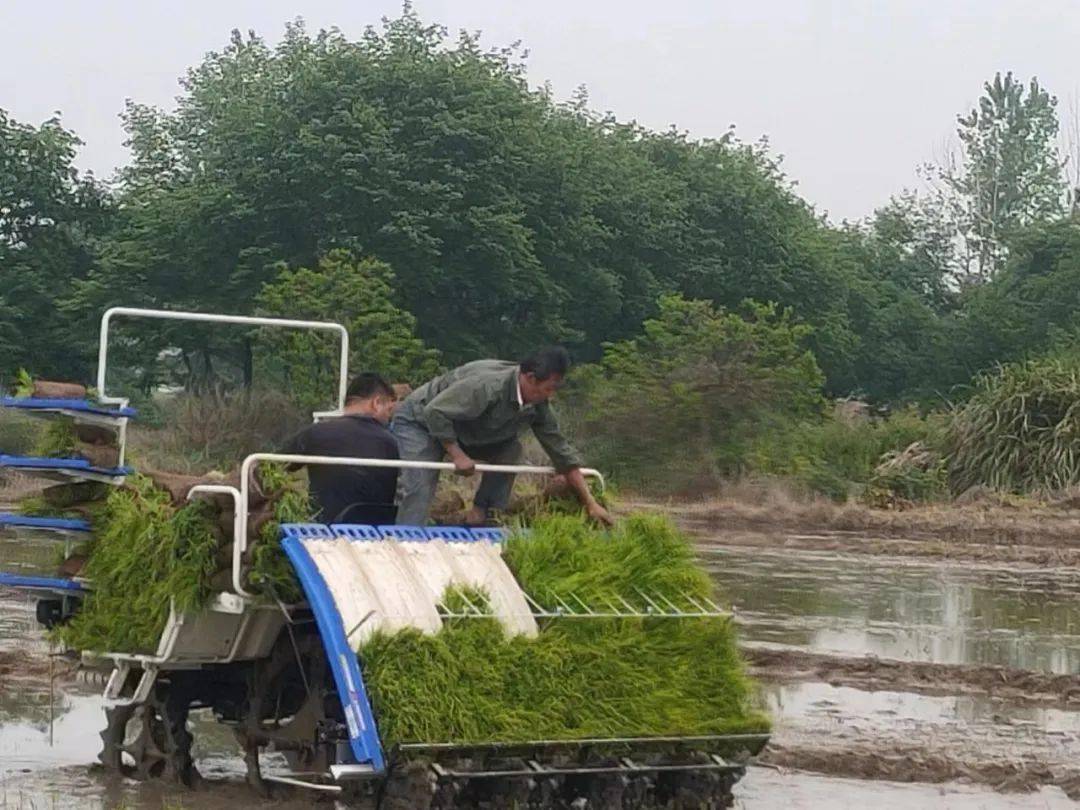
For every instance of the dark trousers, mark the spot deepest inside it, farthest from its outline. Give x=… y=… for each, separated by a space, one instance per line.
x=418 y=486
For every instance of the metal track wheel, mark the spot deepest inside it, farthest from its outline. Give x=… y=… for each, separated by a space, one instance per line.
x=154 y=738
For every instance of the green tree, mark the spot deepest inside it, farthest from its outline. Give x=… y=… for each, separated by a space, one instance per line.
x=50 y=216
x=357 y=294
x=680 y=404
x=1008 y=173
x=510 y=220
x=1032 y=305
x=900 y=306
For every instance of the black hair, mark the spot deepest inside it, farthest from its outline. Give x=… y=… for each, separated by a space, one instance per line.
x=368 y=384
x=544 y=363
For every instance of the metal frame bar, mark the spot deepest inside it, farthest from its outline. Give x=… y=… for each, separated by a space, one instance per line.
x=624 y=766
x=204 y=317
x=239 y=528
x=242 y=496
x=63 y=475
x=566 y=609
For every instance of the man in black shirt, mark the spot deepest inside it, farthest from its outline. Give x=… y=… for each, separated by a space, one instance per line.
x=354 y=494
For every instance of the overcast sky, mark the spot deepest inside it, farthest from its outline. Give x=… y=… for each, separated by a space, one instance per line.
x=854 y=93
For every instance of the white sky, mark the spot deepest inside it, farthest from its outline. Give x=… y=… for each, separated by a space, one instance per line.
x=854 y=93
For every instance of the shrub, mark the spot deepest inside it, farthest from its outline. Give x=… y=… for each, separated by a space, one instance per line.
x=1019 y=431
x=678 y=407
x=913 y=475
x=216 y=431
x=836 y=457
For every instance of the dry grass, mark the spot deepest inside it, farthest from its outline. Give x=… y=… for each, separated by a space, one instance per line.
x=776 y=505
x=203 y=433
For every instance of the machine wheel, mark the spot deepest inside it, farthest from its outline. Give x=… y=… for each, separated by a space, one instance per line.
x=154 y=737
x=698 y=790
x=112 y=737
x=285 y=707
x=411 y=787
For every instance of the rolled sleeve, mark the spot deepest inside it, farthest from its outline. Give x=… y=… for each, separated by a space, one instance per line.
x=564 y=456
x=461 y=400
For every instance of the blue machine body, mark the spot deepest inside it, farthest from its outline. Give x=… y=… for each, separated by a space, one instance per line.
x=47 y=584
x=363 y=733
x=73 y=406
x=15 y=521
x=31 y=463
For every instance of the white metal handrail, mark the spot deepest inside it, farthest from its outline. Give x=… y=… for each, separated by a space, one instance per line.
x=241 y=497
x=204 y=317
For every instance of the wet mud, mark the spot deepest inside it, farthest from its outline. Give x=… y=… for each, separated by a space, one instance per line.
x=1017 y=686
x=895 y=659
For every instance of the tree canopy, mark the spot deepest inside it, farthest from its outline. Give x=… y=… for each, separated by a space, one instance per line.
x=483 y=218
x=50 y=215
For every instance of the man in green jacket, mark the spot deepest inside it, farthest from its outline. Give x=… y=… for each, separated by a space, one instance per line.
x=477 y=411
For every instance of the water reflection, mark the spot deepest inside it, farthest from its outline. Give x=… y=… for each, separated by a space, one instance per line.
x=27 y=743
x=816 y=703
x=945 y=613
x=766 y=789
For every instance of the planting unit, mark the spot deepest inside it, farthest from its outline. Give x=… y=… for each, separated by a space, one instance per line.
x=290 y=677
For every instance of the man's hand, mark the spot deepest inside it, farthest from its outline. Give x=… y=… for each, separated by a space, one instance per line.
x=580 y=486
x=463 y=464
x=600 y=514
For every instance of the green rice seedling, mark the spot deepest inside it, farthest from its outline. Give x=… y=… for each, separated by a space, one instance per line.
x=37 y=506
x=579 y=678
x=271 y=571
x=146 y=556
x=564 y=555
x=23 y=384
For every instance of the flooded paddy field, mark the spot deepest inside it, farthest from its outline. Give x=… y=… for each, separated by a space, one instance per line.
x=895 y=681
x=887 y=669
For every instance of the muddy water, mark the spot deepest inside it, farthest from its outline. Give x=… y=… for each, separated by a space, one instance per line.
x=949 y=613
x=960 y=727
x=824 y=603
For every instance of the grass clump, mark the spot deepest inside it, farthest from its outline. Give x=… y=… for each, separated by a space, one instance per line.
x=837 y=457
x=145 y=554
x=916 y=474
x=579 y=678
x=1019 y=431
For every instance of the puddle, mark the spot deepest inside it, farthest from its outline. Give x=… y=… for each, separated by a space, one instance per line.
x=30 y=743
x=844 y=714
x=943 y=613
x=768 y=789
